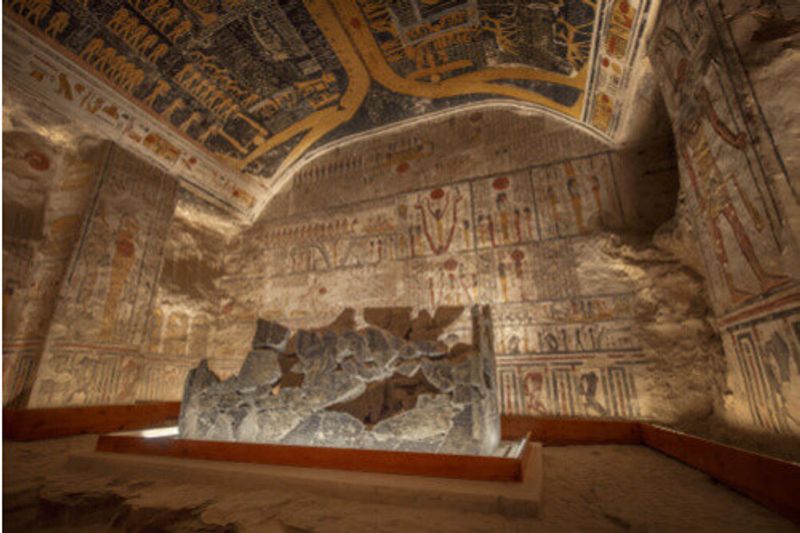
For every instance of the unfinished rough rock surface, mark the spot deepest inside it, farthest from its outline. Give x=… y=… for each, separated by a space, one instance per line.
x=353 y=388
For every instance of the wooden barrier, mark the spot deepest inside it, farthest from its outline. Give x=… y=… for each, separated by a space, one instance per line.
x=566 y=431
x=769 y=481
x=475 y=467
x=35 y=424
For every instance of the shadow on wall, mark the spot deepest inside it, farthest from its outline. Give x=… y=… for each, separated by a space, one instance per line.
x=780 y=445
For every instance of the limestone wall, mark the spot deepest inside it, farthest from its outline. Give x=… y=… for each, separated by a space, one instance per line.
x=92 y=352
x=46 y=188
x=116 y=282
x=187 y=299
x=89 y=230
x=727 y=71
x=521 y=212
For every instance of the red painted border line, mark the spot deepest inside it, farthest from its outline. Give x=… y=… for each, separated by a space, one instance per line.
x=474 y=467
x=757 y=309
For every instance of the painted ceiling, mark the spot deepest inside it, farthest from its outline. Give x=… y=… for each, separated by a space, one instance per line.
x=230 y=93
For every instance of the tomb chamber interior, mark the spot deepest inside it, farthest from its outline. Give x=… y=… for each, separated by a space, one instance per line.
x=386 y=225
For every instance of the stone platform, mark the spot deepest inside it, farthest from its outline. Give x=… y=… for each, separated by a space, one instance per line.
x=518 y=499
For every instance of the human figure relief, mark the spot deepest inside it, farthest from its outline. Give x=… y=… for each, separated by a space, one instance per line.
x=133 y=79
x=512 y=347
x=194 y=118
x=534 y=387
x=587 y=391
x=502 y=277
x=501 y=205
x=119 y=19
x=129 y=379
x=575 y=196
x=58 y=23
x=153 y=8
x=161 y=89
x=115 y=64
x=147 y=43
x=508 y=392
x=577 y=203
x=530 y=224
x=104 y=59
x=553 y=201
x=487 y=229
x=594 y=183
x=179 y=30
x=157 y=53
x=55 y=379
x=518 y=259
x=778 y=358
x=92 y=49
x=37 y=9
x=438 y=231
x=137 y=35
x=168 y=18
x=121 y=264
x=128 y=28
x=712 y=192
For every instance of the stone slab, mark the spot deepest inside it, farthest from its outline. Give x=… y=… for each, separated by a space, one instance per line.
x=520 y=499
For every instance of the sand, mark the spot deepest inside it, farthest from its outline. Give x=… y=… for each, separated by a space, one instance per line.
x=586 y=488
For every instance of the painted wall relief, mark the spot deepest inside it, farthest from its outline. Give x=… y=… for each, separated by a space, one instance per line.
x=562 y=348
x=737 y=188
x=724 y=157
x=58 y=84
x=576 y=197
x=175 y=344
x=618 y=48
x=503 y=210
x=45 y=193
x=231 y=87
x=99 y=327
x=569 y=390
x=766 y=368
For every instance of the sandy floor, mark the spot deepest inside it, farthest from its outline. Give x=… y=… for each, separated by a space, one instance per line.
x=586 y=488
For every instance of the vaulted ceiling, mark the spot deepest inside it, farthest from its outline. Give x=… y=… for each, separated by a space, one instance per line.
x=229 y=94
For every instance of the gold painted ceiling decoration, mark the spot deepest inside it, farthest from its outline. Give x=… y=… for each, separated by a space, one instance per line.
x=229 y=93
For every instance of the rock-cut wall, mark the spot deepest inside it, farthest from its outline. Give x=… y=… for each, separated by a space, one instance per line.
x=46 y=189
x=524 y=213
x=728 y=71
x=92 y=352
x=187 y=299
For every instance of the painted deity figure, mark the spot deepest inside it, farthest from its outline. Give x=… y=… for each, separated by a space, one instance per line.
x=711 y=187
x=121 y=264
x=439 y=216
x=778 y=359
x=587 y=391
x=534 y=390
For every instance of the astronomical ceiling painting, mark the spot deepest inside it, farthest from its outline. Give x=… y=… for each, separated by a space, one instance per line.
x=252 y=86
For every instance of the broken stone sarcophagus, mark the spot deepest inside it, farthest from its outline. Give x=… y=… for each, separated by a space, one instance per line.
x=342 y=387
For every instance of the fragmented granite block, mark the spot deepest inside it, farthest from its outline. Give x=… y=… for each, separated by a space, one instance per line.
x=360 y=389
x=270 y=335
